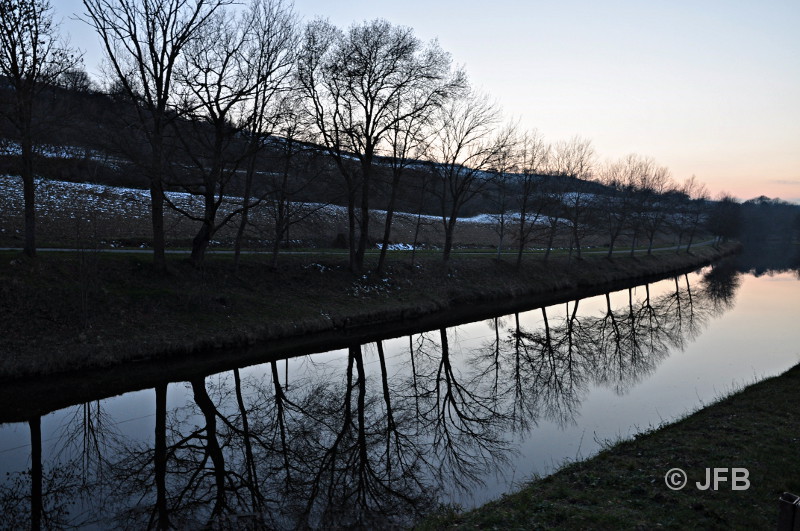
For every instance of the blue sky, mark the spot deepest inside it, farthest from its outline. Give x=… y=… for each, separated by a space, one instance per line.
x=706 y=87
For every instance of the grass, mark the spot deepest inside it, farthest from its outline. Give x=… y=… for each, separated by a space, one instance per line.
x=69 y=311
x=624 y=487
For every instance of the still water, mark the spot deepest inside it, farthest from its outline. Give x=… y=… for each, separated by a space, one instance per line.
x=383 y=432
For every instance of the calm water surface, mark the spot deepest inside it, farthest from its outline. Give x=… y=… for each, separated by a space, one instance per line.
x=385 y=431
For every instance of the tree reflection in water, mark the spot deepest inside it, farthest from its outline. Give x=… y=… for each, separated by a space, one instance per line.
x=355 y=446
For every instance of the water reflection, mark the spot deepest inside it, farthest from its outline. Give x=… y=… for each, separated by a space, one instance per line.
x=764 y=256
x=360 y=443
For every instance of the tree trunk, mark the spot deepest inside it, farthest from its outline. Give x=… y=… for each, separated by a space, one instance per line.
x=248 y=190
x=387 y=229
x=213 y=449
x=577 y=240
x=501 y=236
x=203 y=237
x=351 y=228
x=522 y=239
x=691 y=238
x=157 y=196
x=23 y=119
x=364 y=229
x=157 y=217
x=36 y=472
x=614 y=237
x=253 y=484
x=449 y=228
x=29 y=193
x=416 y=237
x=160 y=457
x=200 y=243
x=550 y=239
x=279 y=232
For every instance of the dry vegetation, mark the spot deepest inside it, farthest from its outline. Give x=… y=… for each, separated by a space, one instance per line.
x=91 y=216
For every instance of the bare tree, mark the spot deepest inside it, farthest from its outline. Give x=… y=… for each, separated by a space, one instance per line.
x=695 y=207
x=724 y=218
x=143 y=40
x=574 y=159
x=621 y=178
x=426 y=181
x=503 y=191
x=534 y=155
x=406 y=140
x=297 y=168
x=214 y=84
x=31 y=57
x=552 y=195
x=355 y=82
x=655 y=188
x=230 y=78
x=464 y=149
x=76 y=80
x=270 y=58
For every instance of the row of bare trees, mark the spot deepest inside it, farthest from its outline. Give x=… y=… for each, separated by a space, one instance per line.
x=211 y=85
x=539 y=188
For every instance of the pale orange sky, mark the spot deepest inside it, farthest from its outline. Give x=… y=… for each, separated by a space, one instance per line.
x=708 y=88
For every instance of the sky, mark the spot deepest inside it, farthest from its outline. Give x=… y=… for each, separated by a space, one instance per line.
x=709 y=88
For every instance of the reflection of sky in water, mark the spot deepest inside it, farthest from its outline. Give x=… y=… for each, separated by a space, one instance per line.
x=755 y=339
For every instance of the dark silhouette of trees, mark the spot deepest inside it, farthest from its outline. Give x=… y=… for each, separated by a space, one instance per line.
x=144 y=41
x=298 y=165
x=769 y=220
x=459 y=412
x=694 y=208
x=720 y=285
x=232 y=79
x=32 y=57
x=465 y=147
x=76 y=80
x=654 y=190
x=406 y=139
x=160 y=518
x=724 y=218
x=215 y=83
x=271 y=108
x=533 y=159
x=620 y=178
x=503 y=190
x=575 y=159
x=552 y=196
x=360 y=84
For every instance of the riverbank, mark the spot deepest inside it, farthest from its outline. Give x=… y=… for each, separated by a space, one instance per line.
x=624 y=486
x=67 y=312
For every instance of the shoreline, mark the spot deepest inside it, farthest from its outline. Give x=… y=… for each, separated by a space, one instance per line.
x=623 y=486
x=55 y=391
x=140 y=318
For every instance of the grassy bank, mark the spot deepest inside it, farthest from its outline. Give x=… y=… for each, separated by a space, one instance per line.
x=70 y=311
x=624 y=487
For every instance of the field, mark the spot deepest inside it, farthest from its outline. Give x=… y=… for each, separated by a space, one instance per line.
x=89 y=216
